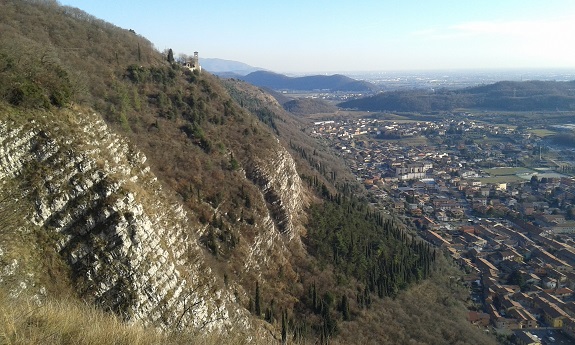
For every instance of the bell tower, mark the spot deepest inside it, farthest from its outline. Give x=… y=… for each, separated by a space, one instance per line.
x=197 y=62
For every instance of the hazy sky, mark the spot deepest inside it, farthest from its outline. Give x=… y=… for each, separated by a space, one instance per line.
x=331 y=36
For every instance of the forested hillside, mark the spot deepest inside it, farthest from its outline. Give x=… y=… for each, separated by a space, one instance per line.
x=504 y=96
x=308 y=106
x=183 y=202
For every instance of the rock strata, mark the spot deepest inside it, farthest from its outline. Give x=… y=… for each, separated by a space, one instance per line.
x=127 y=241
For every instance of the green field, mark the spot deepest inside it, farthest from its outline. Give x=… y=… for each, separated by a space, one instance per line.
x=505 y=175
x=542 y=133
x=508 y=171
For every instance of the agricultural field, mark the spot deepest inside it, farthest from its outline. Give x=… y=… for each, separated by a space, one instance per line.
x=506 y=175
x=542 y=133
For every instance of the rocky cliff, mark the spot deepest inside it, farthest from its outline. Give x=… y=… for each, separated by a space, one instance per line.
x=130 y=245
x=282 y=189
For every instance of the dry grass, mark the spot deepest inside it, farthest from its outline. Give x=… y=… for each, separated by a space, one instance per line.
x=65 y=322
x=70 y=322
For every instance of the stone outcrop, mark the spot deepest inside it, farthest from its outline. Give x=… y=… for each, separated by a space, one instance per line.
x=278 y=179
x=130 y=244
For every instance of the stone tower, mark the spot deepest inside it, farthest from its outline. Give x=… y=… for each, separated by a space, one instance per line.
x=196 y=62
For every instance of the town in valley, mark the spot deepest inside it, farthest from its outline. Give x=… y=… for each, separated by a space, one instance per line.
x=499 y=198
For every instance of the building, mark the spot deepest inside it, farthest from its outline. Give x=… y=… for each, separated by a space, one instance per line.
x=194 y=63
x=412 y=171
x=569 y=327
x=553 y=315
x=435 y=239
x=526 y=338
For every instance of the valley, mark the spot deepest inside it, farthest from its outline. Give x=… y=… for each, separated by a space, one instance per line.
x=498 y=198
x=146 y=200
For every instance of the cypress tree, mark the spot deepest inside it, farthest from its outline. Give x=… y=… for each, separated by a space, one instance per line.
x=258 y=306
x=345 y=308
x=314 y=297
x=270 y=312
x=329 y=326
x=170 y=56
x=284 y=327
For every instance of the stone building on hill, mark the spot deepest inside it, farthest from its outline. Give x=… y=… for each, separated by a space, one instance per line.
x=193 y=63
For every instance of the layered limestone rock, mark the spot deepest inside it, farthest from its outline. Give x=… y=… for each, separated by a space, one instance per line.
x=279 y=228
x=131 y=246
x=279 y=181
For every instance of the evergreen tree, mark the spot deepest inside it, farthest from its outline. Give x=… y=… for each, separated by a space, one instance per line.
x=284 y=327
x=345 y=308
x=171 y=56
x=329 y=326
x=314 y=297
x=269 y=317
x=258 y=306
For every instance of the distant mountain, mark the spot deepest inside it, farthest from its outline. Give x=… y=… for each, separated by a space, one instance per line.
x=336 y=82
x=227 y=68
x=504 y=95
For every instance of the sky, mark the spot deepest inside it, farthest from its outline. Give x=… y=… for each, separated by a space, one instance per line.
x=334 y=36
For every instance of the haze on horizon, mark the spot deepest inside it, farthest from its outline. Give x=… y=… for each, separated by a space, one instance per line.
x=320 y=36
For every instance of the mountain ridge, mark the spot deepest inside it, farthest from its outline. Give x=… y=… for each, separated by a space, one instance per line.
x=222 y=67
x=503 y=96
x=332 y=83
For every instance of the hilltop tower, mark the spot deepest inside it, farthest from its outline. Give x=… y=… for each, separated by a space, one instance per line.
x=194 y=63
x=197 y=61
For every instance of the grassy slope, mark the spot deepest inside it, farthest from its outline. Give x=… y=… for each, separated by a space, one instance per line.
x=70 y=322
